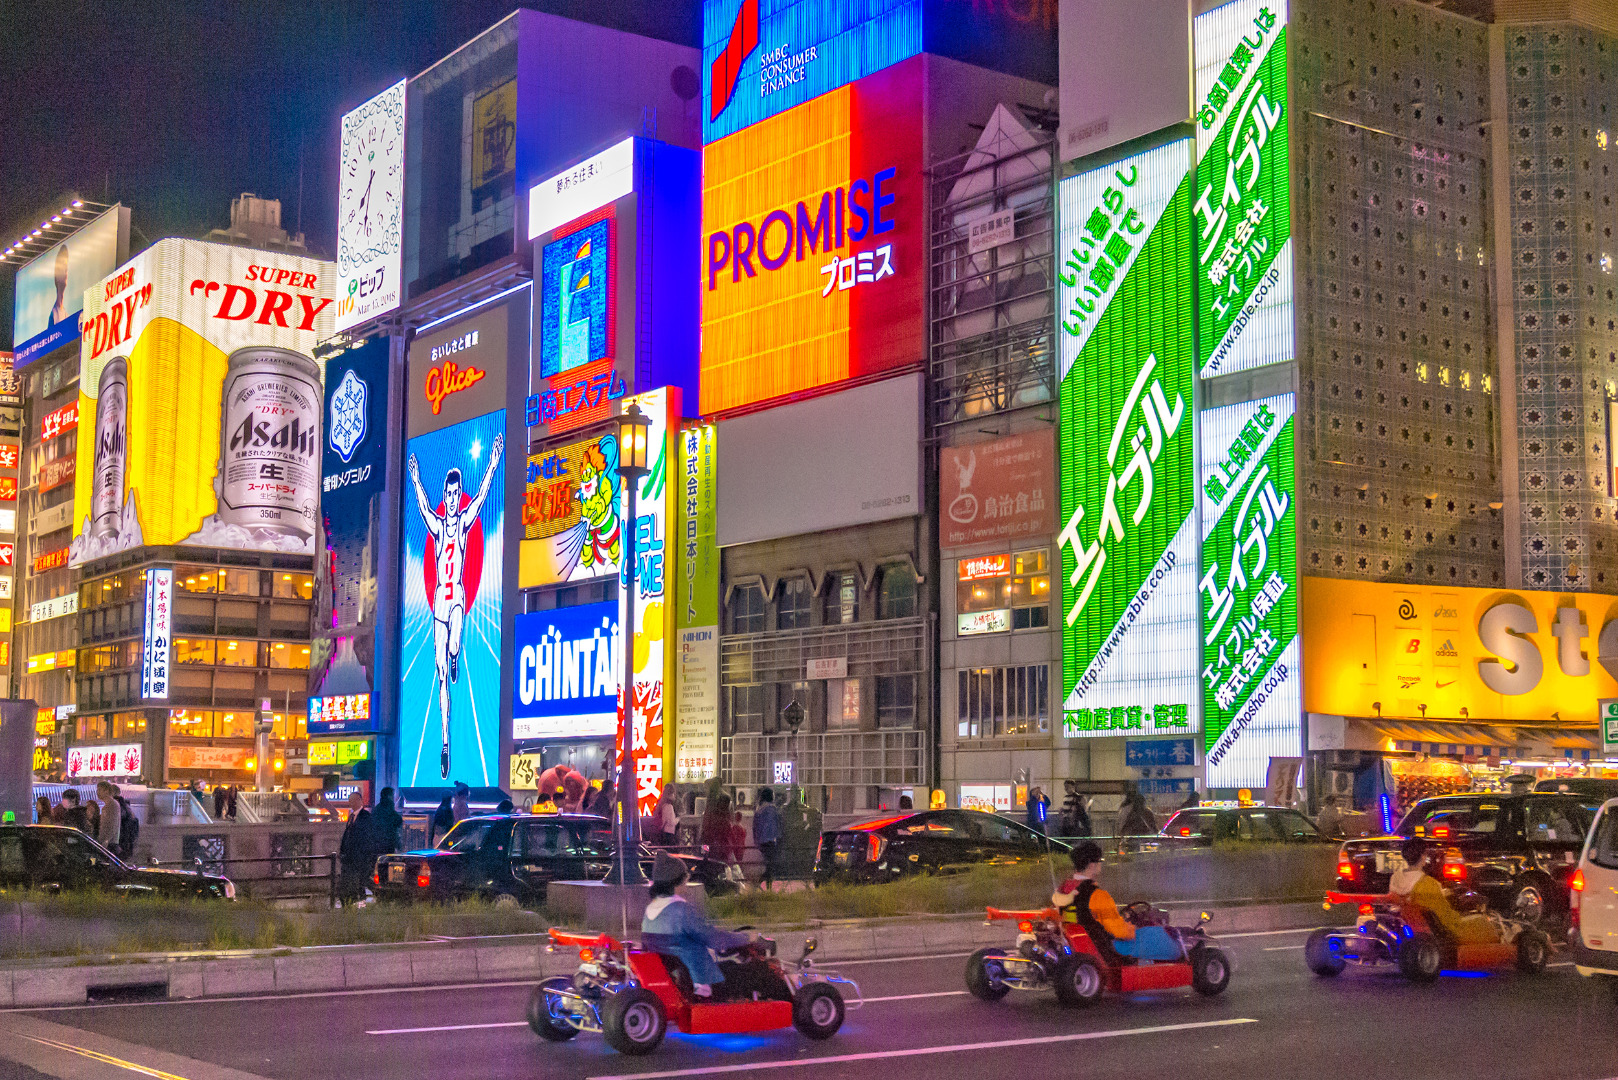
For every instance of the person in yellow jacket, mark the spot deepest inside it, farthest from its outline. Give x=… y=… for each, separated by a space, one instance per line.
x=1416 y=886
x=1088 y=904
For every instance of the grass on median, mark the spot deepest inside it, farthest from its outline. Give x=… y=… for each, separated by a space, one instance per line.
x=85 y=923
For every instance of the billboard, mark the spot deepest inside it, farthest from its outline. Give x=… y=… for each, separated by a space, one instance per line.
x=815 y=245
x=1000 y=491
x=1127 y=366
x=158 y=635
x=1242 y=204
x=572 y=513
x=578 y=300
x=1250 y=648
x=196 y=379
x=572 y=193
x=1126 y=71
x=569 y=664
x=696 y=751
x=370 y=208
x=348 y=638
x=450 y=599
x=763 y=57
x=51 y=289
x=648 y=585
x=96 y=762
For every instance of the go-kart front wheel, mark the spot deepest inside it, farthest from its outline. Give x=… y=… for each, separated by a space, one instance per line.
x=633 y=1021
x=985 y=978
x=817 y=1011
x=1078 y=981
x=1210 y=970
x=1420 y=959
x=1533 y=948
x=1322 y=959
x=545 y=1025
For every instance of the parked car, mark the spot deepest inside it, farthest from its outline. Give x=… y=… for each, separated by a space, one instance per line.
x=1593 y=932
x=511 y=858
x=55 y=858
x=929 y=841
x=1592 y=788
x=1202 y=825
x=1519 y=851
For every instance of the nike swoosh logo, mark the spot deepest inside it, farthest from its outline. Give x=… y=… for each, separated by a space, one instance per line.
x=1440 y=686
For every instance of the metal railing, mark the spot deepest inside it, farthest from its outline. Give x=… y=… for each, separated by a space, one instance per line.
x=287 y=877
x=829 y=759
x=884 y=647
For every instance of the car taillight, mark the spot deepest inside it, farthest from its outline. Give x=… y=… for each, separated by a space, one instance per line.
x=1367 y=909
x=1454 y=866
x=1025 y=927
x=424 y=877
x=875 y=847
x=376 y=877
x=1440 y=832
x=1185 y=832
x=820 y=848
x=1345 y=868
x=1577 y=884
x=587 y=955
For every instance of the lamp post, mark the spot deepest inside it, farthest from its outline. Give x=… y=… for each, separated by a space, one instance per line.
x=633 y=430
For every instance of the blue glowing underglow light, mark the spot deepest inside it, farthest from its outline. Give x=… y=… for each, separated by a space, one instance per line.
x=1465 y=974
x=730 y=1044
x=1386 y=802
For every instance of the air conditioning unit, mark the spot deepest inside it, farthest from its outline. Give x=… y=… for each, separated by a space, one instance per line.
x=1340 y=782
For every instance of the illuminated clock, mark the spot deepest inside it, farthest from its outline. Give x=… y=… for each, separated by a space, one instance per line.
x=371 y=180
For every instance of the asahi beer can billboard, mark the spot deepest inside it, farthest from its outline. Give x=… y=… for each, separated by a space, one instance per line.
x=198 y=381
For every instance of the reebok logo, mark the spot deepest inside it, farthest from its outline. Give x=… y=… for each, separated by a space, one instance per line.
x=727 y=66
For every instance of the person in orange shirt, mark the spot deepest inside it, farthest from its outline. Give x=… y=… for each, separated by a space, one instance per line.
x=1087 y=903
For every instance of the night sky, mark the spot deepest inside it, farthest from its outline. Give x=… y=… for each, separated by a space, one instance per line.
x=174 y=107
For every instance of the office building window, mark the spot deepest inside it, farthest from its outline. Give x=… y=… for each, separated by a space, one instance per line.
x=1010 y=591
x=897 y=598
x=746 y=610
x=1002 y=701
x=747 y=709
x=896 y=701
x=842 y=598
x=792 y=612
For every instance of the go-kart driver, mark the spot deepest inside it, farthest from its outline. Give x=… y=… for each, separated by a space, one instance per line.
x=1420 y=889
x=1090 y=905
x=672 y=927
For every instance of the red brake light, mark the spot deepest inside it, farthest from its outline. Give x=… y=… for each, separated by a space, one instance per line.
x=1366 y=909
x=1185 y=831
x=1345 y=868
x=1025 y=927
x=376 y=877
x=875 y=848
x=1454 y=866
x=1577 y=884
x=424 y=877
x=1441 y=832
x=587 y=955
x=820 y=848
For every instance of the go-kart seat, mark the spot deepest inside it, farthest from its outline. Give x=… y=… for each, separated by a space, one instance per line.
x=679 y=975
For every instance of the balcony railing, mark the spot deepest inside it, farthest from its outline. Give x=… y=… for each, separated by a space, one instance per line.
x=884 y=647
x=830 y=759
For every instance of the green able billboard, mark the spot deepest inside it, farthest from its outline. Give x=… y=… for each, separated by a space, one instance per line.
x=1252 y=686
x=1243 y=213
x=1127 y=364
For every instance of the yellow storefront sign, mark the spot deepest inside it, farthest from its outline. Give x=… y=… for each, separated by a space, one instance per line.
x=525 y=770
x=1381 y=650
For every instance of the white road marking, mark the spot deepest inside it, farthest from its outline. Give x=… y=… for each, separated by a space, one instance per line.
x=896 y=959
x=1268 y=933
x=922 y=1051
x=1280 y=948
x=915 y=997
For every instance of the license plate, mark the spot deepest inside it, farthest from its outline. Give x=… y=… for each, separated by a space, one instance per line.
x=396 y=873
x=1389 y=862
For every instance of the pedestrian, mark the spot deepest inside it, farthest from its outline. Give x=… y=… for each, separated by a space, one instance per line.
x=443 y=820
x=715 y=834
x=461 y=802
x=574 y=788
x=767 y=835
x=230 y=802
x=504 y=806
x=355 y=856
x=1075 y=812
x=386 y=824
x=128 y=825
x=220 y=797
x=1038 y=810
x=668 y=816
x=73 y=815
x=107 y=830
x=738 y=847
x=92 y=816
x=1138 y=819
x=1330 y=821
x=605 y=800
x=42 y=810
x=1192 y=800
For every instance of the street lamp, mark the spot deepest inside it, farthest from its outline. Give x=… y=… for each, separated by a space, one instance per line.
x=633 y=431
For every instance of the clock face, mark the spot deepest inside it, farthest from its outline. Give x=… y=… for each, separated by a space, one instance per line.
x=371 y=186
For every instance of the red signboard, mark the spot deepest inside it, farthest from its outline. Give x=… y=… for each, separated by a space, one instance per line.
x=8 y=489
x=48 y=561
x=64 y=419
x=6 y=551
x=10 y=455
x=997 y=491
x=985 y=566
x=52 y=475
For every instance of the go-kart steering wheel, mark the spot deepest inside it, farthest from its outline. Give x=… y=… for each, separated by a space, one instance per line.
x=1140 y=913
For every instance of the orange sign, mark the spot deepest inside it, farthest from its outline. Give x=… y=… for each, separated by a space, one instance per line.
x=814 y=244
x=447 y=380
x=48 y=561
x=985 y=566
x=1003 y=490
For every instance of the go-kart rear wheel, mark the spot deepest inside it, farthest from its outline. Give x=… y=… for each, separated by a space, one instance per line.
x=817 y=1011
x=1420 y=958
x=545 y=1025
x=633 y=1021
x=1210 y=970
x=1078 y=981
x=1533 y=948
x=985 y=978
x=1322 y=959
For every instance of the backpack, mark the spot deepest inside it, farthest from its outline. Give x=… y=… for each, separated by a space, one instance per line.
x=128 y=829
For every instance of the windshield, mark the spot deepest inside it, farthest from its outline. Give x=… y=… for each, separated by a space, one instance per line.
x=1449 y=818
x=1604 y=843
x=465 y=836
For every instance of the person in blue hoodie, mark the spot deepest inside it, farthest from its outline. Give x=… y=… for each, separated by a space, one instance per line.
x=674 y=928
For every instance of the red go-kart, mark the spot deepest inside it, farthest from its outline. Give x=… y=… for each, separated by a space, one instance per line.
x=1391 y=930
x=1053 y=952
x=630 y=995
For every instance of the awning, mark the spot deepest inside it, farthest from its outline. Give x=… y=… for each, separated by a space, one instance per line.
x=1471 y=740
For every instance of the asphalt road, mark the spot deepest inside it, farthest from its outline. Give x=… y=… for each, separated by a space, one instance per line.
x=1276 y=1020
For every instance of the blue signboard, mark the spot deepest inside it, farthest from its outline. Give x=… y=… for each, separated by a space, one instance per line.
x=576 y=293
x=349 y=639
x=569 y=664
x=1156 y=753
x=1183 y=786
x=762 y=57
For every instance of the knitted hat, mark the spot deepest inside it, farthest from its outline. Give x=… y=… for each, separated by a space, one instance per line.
x=667 y=870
